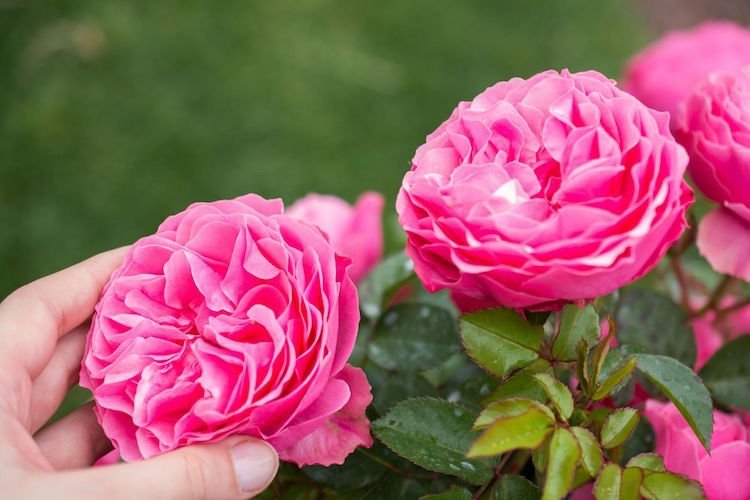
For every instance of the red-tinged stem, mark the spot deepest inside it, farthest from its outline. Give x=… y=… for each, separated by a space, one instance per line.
x=722 y=313
x=716 y=296
x=682 y=280
x=498 y=472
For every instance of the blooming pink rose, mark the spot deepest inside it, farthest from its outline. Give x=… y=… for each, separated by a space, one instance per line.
x=665 y=73
x=712 y=333
x=723 y=473
x=356 y=232
x=232 y=319
x=555 y=189
x=714 y=126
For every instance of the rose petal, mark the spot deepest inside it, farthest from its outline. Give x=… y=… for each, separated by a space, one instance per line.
x=724 y=240
x=723 y=474
x=348 y=428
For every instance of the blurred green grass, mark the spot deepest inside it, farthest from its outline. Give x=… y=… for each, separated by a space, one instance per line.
x=116 y=114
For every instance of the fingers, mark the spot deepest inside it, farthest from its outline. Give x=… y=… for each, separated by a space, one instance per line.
x=50 y=387
x=34 y=316
x=235 y=468
x=74 y=441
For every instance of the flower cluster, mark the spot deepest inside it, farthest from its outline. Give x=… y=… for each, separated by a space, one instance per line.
x=529 y=204
x=714 y=125
x=663 y=75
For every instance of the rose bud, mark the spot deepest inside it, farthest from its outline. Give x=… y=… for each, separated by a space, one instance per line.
x=354 y=231
x=665 y=73
x=560 y=188
x=723 y=473
x=714 y=126
x=232 y=319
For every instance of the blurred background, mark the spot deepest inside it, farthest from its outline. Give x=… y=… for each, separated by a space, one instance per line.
x=114 y=115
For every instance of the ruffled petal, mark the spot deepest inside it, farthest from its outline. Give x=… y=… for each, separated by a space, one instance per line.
x=340 y=435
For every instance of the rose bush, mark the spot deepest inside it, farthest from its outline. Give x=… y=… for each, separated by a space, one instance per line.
x=714 y=126
x=544 y=195
x=232 y=319
x=723 y=472
x=554 y=189
x=354 y=231
x=665 y=73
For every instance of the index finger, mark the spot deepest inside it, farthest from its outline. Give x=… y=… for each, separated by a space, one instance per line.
x=33 y=317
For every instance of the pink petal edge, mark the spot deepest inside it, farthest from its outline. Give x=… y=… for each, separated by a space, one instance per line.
x=340 y=435
x=724 y=239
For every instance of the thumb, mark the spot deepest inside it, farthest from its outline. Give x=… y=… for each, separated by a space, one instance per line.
x=238 y=467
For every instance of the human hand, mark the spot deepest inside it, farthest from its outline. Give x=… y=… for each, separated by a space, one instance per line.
x=43 y=329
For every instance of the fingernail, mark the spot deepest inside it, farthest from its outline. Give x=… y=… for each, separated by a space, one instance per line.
x=255 y=464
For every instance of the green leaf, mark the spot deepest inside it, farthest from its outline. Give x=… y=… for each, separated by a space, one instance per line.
x=614 y=378
x=576 y=324
x=727 y=374
x=561 y=465
x=508 y=408
x=390 y=388
x=684 y=389
x=582 y=369
x=391 y=486
x=455 y=493
x=631 y=483
x=580 y=478
x=619 y=426
x=433 y=434
x=622 y=394
x=510 y=487
x=661 y=485
x=599 y=355
x=473 y=389
x=522 y=384
x=641 y=441
x=609 y=483
x=527 y=430
x=381 y=285
x=294 y=492
x=413 y=337
x=648 y=461
x=500 y=340
x=579 y=417
x=540 y=455
x=558 y=393
x=357 y=471
x=591 y=453
x=654 y=322
x=443 y=372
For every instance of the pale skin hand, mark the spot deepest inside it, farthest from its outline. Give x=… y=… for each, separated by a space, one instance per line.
x=42 y=333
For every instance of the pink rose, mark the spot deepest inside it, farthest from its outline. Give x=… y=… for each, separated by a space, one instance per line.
x=723 y=473
x=665 y=73
x=356 y=232
x=559 y=188
x=712 y=333
x=714 y=126
x=232 y=319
